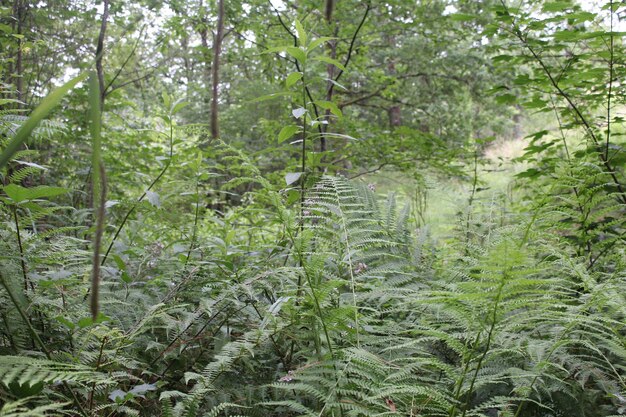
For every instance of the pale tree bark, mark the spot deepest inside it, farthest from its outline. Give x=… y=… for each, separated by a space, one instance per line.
x=215 y=80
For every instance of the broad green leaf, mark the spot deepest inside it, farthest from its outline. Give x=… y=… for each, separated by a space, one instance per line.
x=65 y=322
x=329 y=105
x=287 y=132
x=18 y=193
x=292 y=197
x=88 y=321
x=301 y=33
x=179 y=106
x=292 y=177
x=331 y=61
x=167 y=101
x=317 y=42
x=557 y=6
x=297 y=53
x=292 y=78
x=567 y=35
x=40 y=113
x=506 y=99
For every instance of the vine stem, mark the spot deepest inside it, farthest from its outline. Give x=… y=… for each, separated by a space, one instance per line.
x=494 y=316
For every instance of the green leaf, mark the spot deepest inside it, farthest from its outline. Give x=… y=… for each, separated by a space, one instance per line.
x=506 y=99
x=292 y=197
x=179 y=106
x=329 y=105
x=167 y=101
x=462 y=17
x=529 y=173
x=88 y=321
x=292 y=78
x=287 y=132
x=17 y=193
x=297 y=53
x=121 y=265
x=567 y=35
x=40 y=113
x=126 y=278
x=317 y=42
x=24 y=390
x=331 y=61
x=301 y=33
x=65 y=322
x=557 y=6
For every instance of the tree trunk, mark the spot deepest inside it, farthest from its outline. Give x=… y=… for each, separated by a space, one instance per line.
x=217 y=50
x=19 y=13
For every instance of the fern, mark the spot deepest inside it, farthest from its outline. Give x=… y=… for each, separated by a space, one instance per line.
x=23 y=370
x=23 y=408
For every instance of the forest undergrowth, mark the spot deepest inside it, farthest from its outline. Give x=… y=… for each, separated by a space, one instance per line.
x=225 y=281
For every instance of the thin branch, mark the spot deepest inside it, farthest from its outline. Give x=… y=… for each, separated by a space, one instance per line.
x=126 y=61
x=100 y=50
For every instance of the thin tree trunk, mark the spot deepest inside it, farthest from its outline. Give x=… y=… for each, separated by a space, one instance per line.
x=217 y=50
x=19 y=12
x=206 y=58
x=394 y=112
x=330 y=70
x=100 y=52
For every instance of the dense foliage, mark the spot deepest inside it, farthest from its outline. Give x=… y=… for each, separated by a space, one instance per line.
x=245 y=208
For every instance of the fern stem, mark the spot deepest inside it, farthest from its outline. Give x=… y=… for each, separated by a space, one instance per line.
x=457 y=393
x=21 y=248
x=488 y=344
x=350 y=268
x=98 y=362
x=320 y=314
x=470 y=202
